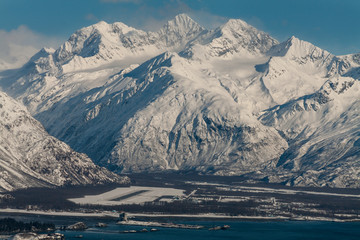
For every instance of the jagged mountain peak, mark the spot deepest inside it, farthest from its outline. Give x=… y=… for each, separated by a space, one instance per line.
x=238 y=28
x=181 y=20
x=103 y=27
x=183 y=16
x=235 y=37
x=44 y=52
x=47 y=50
x=294 y=47
x=181 y=23
x=98 y=25
x=106 y=41
x=356 y=58
x=347 y=65
x=179 y=31
x=296 y=67
x=237 y=24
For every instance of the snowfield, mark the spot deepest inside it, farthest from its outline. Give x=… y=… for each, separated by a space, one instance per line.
x=285 y=191
x=131 y=195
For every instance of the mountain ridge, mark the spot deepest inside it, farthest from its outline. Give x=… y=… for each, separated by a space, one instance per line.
x=229 y=101
x=29 y=157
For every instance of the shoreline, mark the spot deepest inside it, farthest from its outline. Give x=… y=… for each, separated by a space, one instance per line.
x=190 y=216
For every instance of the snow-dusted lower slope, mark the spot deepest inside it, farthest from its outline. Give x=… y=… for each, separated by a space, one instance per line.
x=323 y=131
x=29 y=157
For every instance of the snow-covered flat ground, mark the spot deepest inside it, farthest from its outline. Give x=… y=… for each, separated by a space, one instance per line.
x=269 y=190
x=130 y=195
x=154 y=215
x=285 y=191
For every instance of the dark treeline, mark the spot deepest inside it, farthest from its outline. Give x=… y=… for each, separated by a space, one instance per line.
x=185 y=207
x=10 y=225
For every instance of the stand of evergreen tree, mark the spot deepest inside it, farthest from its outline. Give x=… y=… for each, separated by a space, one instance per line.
x=10 y=225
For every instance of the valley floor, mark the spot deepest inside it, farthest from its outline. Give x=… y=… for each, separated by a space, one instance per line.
x=106 y=214
x=190 y=196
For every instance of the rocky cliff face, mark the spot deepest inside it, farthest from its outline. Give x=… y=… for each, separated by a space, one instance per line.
x=30 y=157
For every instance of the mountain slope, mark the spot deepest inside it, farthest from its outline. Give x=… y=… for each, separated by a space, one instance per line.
x=235 y=37
x=230 y=101
x=29 y=157
x=101 y=49
x=103 y=43
x=295 y=68
x=163 y=116
x=323 y=132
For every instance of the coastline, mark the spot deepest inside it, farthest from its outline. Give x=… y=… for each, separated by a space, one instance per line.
x=158 y=215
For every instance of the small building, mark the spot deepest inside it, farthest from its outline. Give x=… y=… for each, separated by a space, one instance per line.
x=123 y=217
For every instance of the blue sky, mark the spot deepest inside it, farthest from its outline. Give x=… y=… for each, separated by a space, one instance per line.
x=329 y=24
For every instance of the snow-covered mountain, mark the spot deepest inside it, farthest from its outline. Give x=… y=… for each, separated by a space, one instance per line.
x=299 y=67
x=235 y=37
x=30 y=157
x=165 y=114
x=102 y=50
x=230 y=101
x=323 y=133
x=101 y=43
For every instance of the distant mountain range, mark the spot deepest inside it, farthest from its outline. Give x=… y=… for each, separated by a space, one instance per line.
x=230 y=101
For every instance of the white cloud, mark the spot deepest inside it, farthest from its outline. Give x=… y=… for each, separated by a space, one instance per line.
x=151 y=18
x=18 y=45
x=207 y=20
x=91 y=17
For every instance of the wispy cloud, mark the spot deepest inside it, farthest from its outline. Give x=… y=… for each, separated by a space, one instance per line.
x=148 y=17
x=91 y=17
x=18 y=45
x=206 y=19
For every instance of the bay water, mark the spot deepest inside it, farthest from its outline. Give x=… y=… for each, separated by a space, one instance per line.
x=249 y=230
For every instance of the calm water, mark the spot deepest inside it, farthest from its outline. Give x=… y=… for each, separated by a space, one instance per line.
x=239 y=230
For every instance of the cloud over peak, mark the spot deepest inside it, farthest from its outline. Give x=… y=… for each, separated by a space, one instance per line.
x=18 y=45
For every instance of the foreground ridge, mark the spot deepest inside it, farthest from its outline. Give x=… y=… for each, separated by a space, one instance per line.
x=30 y=157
